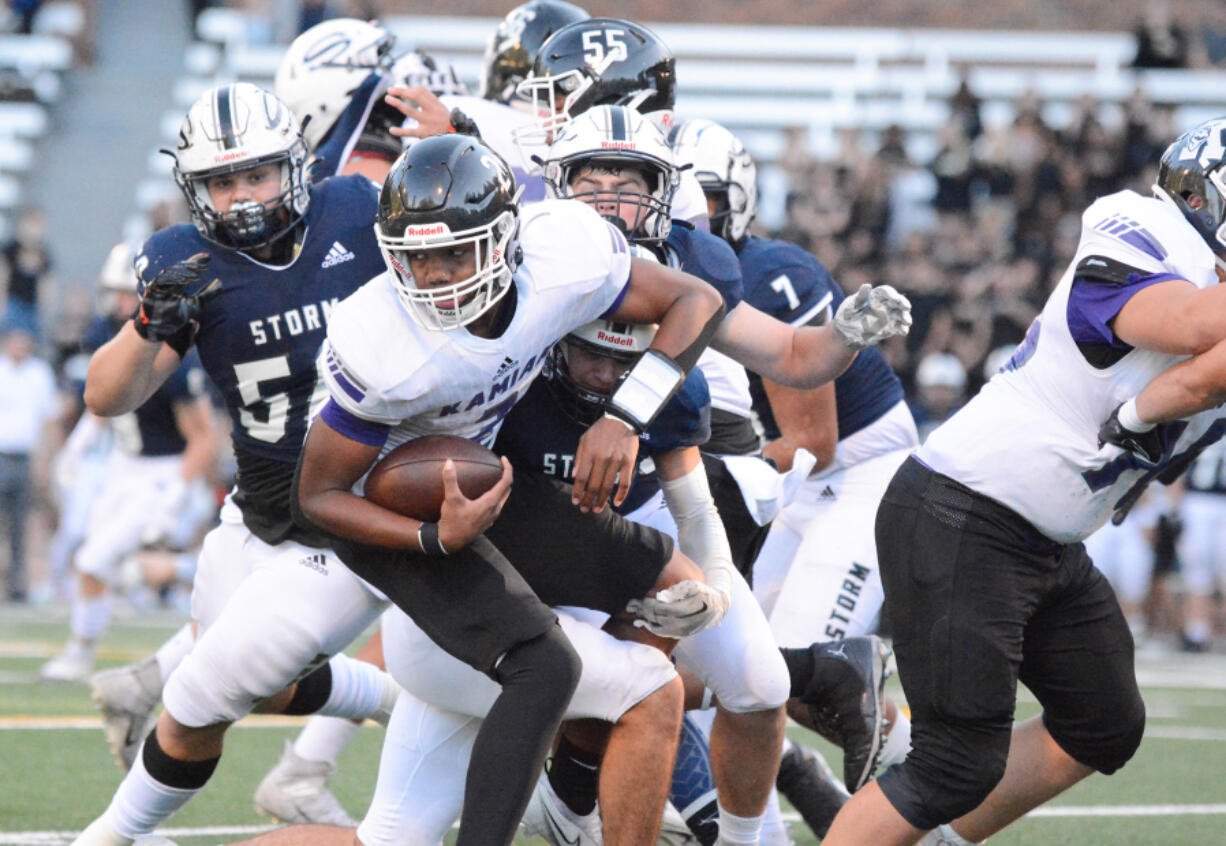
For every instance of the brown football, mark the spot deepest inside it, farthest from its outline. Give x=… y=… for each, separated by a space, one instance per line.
x=409 y=479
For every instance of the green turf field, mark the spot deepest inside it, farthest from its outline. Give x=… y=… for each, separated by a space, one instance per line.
x=56 y=776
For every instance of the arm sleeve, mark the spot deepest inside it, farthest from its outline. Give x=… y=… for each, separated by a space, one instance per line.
x=700 y=532
x=1094 y=302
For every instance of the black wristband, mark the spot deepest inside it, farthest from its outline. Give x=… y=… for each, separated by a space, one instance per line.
x=427 y=537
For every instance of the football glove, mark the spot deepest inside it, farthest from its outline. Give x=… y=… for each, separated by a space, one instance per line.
x=684 y=609
x=1147 y=446
x=872 y=315
x=166 y=306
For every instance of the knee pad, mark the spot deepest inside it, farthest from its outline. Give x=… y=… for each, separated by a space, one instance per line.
x=547 y=662
x=1106 y=742
x=949 y=771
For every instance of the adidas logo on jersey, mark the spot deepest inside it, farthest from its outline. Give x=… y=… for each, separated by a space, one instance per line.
x=316 y=561
x=507 y=364
x=336 y=255
x=827 y=493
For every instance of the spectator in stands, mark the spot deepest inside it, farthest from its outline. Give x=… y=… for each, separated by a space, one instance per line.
x=25 y=10
x=1161 y=41
x=964 y=107
x=27 y=404
x=941 y=380
x=24 y=264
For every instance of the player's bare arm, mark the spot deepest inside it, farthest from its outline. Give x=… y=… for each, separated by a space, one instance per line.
x=688 y=311
x=125 y=372
x=332 y=463
x=1197 y=384
x=807 y=419
x=810 y=356
x=1174 y=317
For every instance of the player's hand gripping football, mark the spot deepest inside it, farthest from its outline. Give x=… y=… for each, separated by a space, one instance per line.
x=1146 y=445
x=168 y=302
x=605 y=458
x=684 y=609
x=462 y=519
x=871 y=315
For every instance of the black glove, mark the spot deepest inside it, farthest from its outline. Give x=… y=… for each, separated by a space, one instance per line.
x=166 y=307
x=464 y=125
x=1146 y=446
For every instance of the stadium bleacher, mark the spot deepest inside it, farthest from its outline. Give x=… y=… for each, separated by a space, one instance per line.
x=760 y=80
x=32 y=67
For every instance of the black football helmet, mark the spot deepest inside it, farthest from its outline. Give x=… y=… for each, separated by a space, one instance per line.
x=444 y=191
x=512 y=49
x=1192 y=167
x=597 y=62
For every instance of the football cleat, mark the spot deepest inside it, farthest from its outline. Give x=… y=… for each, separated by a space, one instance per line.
x=548 y=817
x=127 y=697
x=74 y=664
x=806 y=780
x=844 y=699
x=296 y=791
x=673 y=830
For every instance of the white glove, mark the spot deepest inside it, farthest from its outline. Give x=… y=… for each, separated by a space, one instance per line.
x=871 y=316
x=684 y=609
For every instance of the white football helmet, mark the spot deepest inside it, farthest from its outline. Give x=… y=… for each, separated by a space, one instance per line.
x=622 y=342
x=725 y=170
x=118 y=272
x=615 y=137
x=324 y=66
x=233 y=128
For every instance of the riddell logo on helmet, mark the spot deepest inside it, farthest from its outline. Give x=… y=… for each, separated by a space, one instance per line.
x=425 y=231
x=229 y=157
x=618 y=145
x=620 y=340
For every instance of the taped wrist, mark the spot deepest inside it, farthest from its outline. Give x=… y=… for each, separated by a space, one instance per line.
x=700 y=532
x=645 y=389
x=1130 y=419
x=427 y=539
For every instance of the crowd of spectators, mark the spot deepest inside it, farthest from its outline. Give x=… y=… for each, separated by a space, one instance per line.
x=981 y=241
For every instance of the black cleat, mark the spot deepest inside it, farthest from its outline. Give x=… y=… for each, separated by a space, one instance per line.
x=806 y=780
x=844 y=699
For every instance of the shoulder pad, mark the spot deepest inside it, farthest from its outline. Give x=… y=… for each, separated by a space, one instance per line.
x=1105 y=269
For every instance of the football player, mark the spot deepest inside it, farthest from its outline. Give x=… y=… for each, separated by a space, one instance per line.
x=164 y=450
x=817 y=573
x=473 y=299
x=284 y=253
x=979 y=533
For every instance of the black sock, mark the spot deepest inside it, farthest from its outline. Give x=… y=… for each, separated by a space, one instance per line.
x=184 y=775
x=575 y=777
x=800 y=669
x=312 y=693
x=538 y=678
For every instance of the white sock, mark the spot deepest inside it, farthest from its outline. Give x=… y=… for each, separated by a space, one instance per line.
x=738 y=831
x=360 y=691
x=952 y=837
x=323 y=738
x=897 y=742
x=142 y=803
x=173 y=651
x=90 y=616
x=774 y=831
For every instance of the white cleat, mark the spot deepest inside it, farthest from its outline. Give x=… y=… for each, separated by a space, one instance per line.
x=74 y=664
x=296 y=791
x=673 y=830
x=548 y=817
x=127 y=697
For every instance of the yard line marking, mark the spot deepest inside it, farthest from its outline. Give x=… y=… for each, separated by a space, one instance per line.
x=1129 y=811
x=56 y=838
x=1185 y=733
x=36 y=722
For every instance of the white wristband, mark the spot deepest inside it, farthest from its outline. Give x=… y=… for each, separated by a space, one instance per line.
x=646 y=388
x=1129 y=418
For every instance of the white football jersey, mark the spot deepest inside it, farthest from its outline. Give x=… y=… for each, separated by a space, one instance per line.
x=1029 y=438
x=381 y=365
x=727 y=381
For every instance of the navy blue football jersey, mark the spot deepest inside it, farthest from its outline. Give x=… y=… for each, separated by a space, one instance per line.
x=788 y=283
x=259 y=336
x=709 y=258
x=538 y=434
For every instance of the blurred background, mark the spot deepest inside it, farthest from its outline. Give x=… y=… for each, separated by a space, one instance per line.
x=944 y=147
